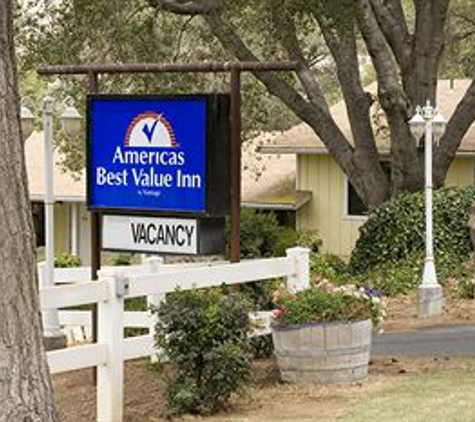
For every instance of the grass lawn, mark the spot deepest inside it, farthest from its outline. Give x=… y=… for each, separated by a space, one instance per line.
x=435 y=396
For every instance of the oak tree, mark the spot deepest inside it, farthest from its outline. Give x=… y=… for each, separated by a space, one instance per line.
x=405 y=41
x=340 y=46
x=25 y=386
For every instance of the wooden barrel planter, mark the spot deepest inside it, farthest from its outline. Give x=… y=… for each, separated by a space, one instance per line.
x=327 y=353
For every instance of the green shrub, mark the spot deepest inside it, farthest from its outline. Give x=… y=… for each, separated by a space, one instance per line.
x=66 y=260
x=121 y=259
x=309 y=239
x=262 y=236
x=330 y=267
x=395 y=231
x=204 y=333
x=465 y=288
x=392 y=279
x=399 y=278
x=259 y=233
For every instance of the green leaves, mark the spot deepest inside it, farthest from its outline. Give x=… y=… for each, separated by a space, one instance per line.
x=395 y=231
x=66 y=260
x=262 y=236
x=320 y=305
x=204 y=333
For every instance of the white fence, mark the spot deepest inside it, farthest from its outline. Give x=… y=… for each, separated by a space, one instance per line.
x=153 y=281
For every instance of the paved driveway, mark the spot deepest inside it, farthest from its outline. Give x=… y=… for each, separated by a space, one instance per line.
x=440 y=341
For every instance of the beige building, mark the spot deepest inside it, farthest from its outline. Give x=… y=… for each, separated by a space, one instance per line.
x=334 y=209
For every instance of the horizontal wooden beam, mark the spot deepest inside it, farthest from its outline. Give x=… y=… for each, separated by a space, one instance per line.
x=73 y=295
x=79 y=357
x=209 y=276
x=201 y=67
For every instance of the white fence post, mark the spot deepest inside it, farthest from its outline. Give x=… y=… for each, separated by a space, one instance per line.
x=300 y=279
x=110 y=376
x=154 y=264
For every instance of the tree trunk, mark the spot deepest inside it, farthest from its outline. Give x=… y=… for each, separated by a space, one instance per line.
x=25 y=387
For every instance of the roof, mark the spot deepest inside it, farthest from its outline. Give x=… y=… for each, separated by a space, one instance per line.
x=301 y=139
x=268 y=181
x=66 y=187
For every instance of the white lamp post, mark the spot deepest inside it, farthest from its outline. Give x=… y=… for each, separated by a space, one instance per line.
x=71 y=122
x=428 y=121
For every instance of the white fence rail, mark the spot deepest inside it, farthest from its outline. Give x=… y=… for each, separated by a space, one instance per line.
x=152 y=280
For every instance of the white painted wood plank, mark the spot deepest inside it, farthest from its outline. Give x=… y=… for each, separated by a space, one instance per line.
x=138 y=347
x=210 y=276
x=78 y=357
x=72 y=275
x=73 y=295
x=84 y=318
x=137 y=319
x=77 y=318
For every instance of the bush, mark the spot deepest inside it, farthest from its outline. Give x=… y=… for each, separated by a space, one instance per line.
x=392 y=279
x=399 y=278
x=204 y=333
x=121 y=259
x=259 y=233
x=395 y=231
x=262 y=236
x=465 y=288
x=66 y=260
x=330 y=267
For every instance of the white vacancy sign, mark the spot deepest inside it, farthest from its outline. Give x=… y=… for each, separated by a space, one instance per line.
x=149 y=234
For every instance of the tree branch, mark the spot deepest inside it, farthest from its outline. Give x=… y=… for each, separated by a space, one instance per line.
x=315 y=115
x=342 y=45
x=287 y=34
x=406 y=169
x=429 y=41
x=187 y=7
x=392 y=22
x=457 y=127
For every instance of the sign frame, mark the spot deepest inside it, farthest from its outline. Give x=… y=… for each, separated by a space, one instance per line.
x=217 y=156
x=210 y=237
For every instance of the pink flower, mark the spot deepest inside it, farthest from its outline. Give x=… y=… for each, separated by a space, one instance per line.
x=277 y=313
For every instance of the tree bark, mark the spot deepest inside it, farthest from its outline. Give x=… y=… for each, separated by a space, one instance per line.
x=25 y=386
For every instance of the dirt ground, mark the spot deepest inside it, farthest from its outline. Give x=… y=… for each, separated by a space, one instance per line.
x=267 y=399
x=402 y=312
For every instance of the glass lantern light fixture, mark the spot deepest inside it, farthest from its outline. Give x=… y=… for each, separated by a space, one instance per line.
x=27 y=122
x=71 y=121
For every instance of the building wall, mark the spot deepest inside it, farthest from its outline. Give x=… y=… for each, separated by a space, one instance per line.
x=61 y=227
x=326 y=212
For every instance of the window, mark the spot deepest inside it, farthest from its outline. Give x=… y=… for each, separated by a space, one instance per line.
x=354 y=205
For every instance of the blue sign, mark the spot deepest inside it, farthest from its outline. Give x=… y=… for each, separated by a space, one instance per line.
x=147 y=153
